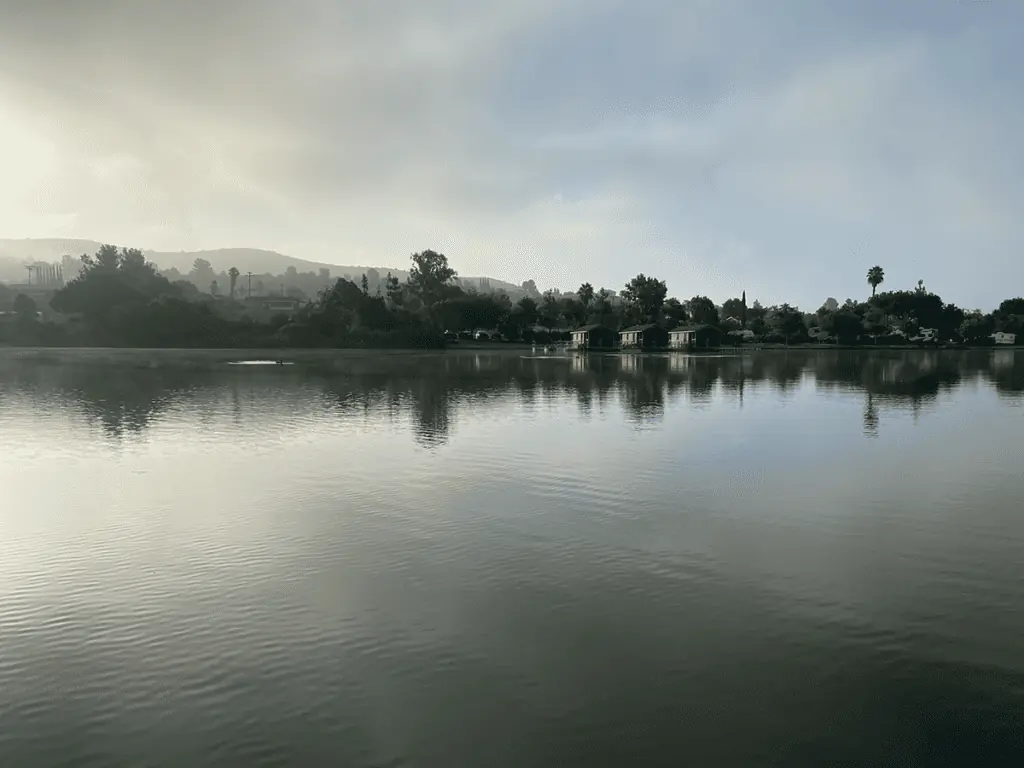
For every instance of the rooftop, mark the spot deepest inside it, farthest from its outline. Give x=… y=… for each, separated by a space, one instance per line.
x=635 y=328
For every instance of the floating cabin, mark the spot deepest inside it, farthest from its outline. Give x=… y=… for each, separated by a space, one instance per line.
x=695 y=337
x=648 y=336
x=593 y=337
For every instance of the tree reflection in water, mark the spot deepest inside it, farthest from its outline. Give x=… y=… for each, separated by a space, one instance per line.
x=428 y=391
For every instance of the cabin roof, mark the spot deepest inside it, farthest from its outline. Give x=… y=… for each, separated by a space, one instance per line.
x=636 y=328
x=702 y=327
x=592 y=327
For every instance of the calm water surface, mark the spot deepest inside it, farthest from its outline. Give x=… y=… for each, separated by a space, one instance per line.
x=482 y=560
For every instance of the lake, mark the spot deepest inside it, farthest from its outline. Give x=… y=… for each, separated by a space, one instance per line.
x=476 y=559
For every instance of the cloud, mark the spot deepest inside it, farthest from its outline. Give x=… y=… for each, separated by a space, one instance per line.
x=721 y=145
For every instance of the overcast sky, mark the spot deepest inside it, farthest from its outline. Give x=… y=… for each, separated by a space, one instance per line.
x=780 y=147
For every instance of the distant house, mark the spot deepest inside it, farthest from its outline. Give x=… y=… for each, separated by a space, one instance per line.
x=595 y=336
x=643 y=336
x=695 y=336
x=274 y=304
x=1001 y=337
x=926 y=335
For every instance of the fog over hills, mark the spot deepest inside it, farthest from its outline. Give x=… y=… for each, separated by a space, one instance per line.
x=14 y=254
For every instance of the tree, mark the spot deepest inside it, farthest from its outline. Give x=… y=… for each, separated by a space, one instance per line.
x=233 y=274
x=703 y=311
x=787 y=321
x=186 y=289
x=977 y=326
x=645 y=296
x=549 y=309
x=132 y=261
x=393 y=289
x=530 y=288
x=675 y=313
x=874 y=323
x=876 y=276
x=951 y=318
x=110 y=284
x=430 y=276
x=364 y=283
x=733 y=308
x=107 y=260
x=756 y=315
x=472 y=311
x=25 y=307
x=572 y=311
x=845 y=325
x=214 y=289
x=1012 y=306
x=202 y=273
x=1008 y=322
x=586 y=294
x=526 y=311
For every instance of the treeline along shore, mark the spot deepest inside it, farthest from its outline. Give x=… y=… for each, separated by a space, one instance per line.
x=119 y=299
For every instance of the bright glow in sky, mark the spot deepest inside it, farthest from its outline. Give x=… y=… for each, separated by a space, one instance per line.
x=782 y=148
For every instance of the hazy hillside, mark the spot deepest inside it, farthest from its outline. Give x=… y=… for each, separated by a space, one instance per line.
x=14 y=254
x=245 y=259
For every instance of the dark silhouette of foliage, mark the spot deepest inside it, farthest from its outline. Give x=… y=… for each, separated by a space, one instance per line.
x=430 y=277
x=703 y=311
x=645 y=296
x=876 y=276
x=733 y=308
x=786 y=321
x=25 y=306
x=586 y=295
x=120 y=299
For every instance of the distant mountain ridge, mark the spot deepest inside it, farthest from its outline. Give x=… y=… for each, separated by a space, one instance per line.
x=14 y=254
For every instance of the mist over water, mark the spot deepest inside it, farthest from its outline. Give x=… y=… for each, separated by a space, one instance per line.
x=795 y=559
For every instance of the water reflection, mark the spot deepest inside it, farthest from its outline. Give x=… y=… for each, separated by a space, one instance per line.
x=405 y=560
x=121 y=402
x=428 y=392
x=870 y=416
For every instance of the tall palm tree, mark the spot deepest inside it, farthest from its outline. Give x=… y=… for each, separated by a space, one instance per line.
x=233 y=274
x=876 y=276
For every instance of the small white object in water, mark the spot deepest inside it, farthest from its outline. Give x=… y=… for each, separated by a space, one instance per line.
x=259 y=362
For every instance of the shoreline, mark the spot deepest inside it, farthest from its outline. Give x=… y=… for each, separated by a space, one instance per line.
x=157 y=357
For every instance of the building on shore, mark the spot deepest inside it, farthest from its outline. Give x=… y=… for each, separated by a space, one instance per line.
x=649 y=336
x=695 y=337
x=594 y=336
